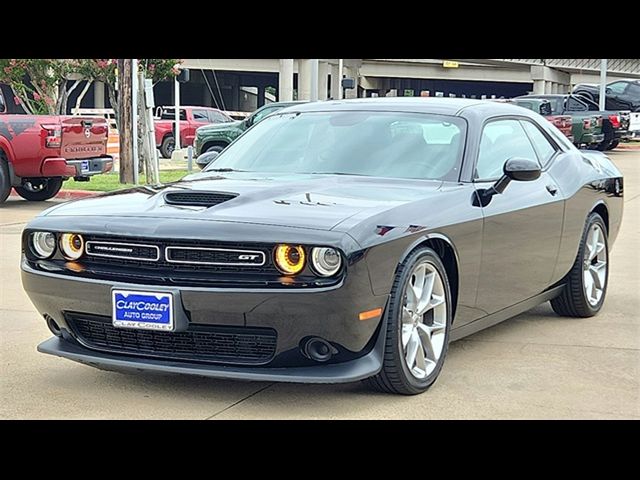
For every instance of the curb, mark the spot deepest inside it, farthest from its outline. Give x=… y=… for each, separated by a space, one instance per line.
x=68 y=194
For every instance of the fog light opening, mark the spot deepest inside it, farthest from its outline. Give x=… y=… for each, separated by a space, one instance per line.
x=318 y=349
x=53 y=326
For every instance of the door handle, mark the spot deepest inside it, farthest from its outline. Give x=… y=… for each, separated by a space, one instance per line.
x=552 y=189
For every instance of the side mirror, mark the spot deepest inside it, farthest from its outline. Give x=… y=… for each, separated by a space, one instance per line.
x=248 y=121
x=607 y=90
x=545 y=109
x=518 y=169
x=206 y=158
x=522 y=169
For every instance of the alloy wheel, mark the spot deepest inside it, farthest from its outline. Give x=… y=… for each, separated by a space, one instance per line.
x=594 y=267
x=424 y=320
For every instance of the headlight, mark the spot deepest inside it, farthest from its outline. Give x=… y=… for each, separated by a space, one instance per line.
x=43 y=244
x=72 y=245
x=290 y=259
x=325 y=261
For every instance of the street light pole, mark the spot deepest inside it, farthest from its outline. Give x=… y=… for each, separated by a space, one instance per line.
x=603 y=83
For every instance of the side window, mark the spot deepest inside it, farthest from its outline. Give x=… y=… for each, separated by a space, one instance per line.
x=263 y=113
x=217 y=117
x=633 y=90
x=200 y=116
x=575 y=105
x=501 y=140
x=2 y=104
x=617 y=88
x=544 y=149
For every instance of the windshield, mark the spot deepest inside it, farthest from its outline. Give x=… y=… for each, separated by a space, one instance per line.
x=384 y=144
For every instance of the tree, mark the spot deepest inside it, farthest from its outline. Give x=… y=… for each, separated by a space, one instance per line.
x=43 y=85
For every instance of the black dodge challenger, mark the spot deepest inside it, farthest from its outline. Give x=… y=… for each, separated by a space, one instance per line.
x=332 y=242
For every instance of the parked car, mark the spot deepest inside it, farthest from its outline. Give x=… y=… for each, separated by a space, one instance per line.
x=332 y=242
x=214 y=138
x=585 y=128
x=39 y=152
x=620 y=95
x=615 y=124
x=543 y=107
x=190 y=119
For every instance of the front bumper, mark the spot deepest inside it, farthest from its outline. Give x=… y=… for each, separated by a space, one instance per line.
x=61 y=167
x=329 y=313
x=350 y=371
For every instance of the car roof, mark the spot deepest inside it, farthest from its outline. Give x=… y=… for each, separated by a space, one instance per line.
x=435 y=105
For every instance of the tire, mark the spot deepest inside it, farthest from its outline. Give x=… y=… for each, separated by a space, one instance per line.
x=215 y=148
x=49 y=189
x=574 y=301
x=5 y=180
x=167 y=146
x=613 y=144
x=396 y=375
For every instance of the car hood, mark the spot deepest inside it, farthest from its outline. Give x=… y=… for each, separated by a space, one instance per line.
x=310 y=201
x=218 y=126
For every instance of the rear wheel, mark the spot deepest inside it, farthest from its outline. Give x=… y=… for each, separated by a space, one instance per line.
x=416 y=325
x=613 y=144
x=40 y=189
x=5 y=180
x=168 y=146
x=586 y=283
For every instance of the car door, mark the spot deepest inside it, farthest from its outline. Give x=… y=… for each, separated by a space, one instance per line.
x=616 y=99
x=200 y=118
x=522 y=226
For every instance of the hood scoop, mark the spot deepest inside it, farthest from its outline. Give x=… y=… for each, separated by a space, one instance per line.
x=194 y=198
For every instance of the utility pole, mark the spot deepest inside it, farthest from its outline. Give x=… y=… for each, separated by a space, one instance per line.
x=126 y=120
x=603 y=84
x=177 y=113
x=135 y=120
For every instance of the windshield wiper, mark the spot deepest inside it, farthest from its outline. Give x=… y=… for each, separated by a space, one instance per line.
x=338 y=173
x=223 y=170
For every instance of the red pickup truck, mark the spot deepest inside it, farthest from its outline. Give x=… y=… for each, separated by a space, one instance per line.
x=39 y=152
x=190 y=119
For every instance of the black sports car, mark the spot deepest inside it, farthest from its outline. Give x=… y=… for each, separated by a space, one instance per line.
x=332 y=242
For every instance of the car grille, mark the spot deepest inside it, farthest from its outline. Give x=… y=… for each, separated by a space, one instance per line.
x=198 y=199
x=200 y=343
x=179 y=256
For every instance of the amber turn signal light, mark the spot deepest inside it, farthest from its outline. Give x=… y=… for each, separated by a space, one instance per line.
x=369 y=314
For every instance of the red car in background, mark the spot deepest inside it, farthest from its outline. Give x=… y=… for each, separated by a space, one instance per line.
x=190 y=119
x=39 y=152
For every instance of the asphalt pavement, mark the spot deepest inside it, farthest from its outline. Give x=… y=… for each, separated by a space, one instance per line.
x=536 y=365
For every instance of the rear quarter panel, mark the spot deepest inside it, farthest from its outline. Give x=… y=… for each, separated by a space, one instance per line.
x=22 y=138
x=586 y=181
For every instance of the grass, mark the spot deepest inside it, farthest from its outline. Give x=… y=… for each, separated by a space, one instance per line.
x=108 y=182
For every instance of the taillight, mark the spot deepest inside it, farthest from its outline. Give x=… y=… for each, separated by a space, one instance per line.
x=586 y=123
x=54 y=136
x=615 y=121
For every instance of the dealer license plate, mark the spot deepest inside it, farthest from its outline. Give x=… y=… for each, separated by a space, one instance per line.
x=143 y=310
x=84 y=166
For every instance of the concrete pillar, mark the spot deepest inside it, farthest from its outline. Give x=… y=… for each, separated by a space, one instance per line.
x=353 y=92
x=547 y=86
x=285 y=80
x=323 y=72
x=304 y=79
x=335 y=82
x=538 y=87
x=98 y=94
x=260 y=97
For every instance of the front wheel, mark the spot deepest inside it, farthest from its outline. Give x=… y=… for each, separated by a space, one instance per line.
x=416 y=325
x=215 y=148
x=40 y=190
x=5 y=180
x=586 y=283
x=168 y=146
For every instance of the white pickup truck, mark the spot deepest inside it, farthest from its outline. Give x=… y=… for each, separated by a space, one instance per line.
x=634 y=124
